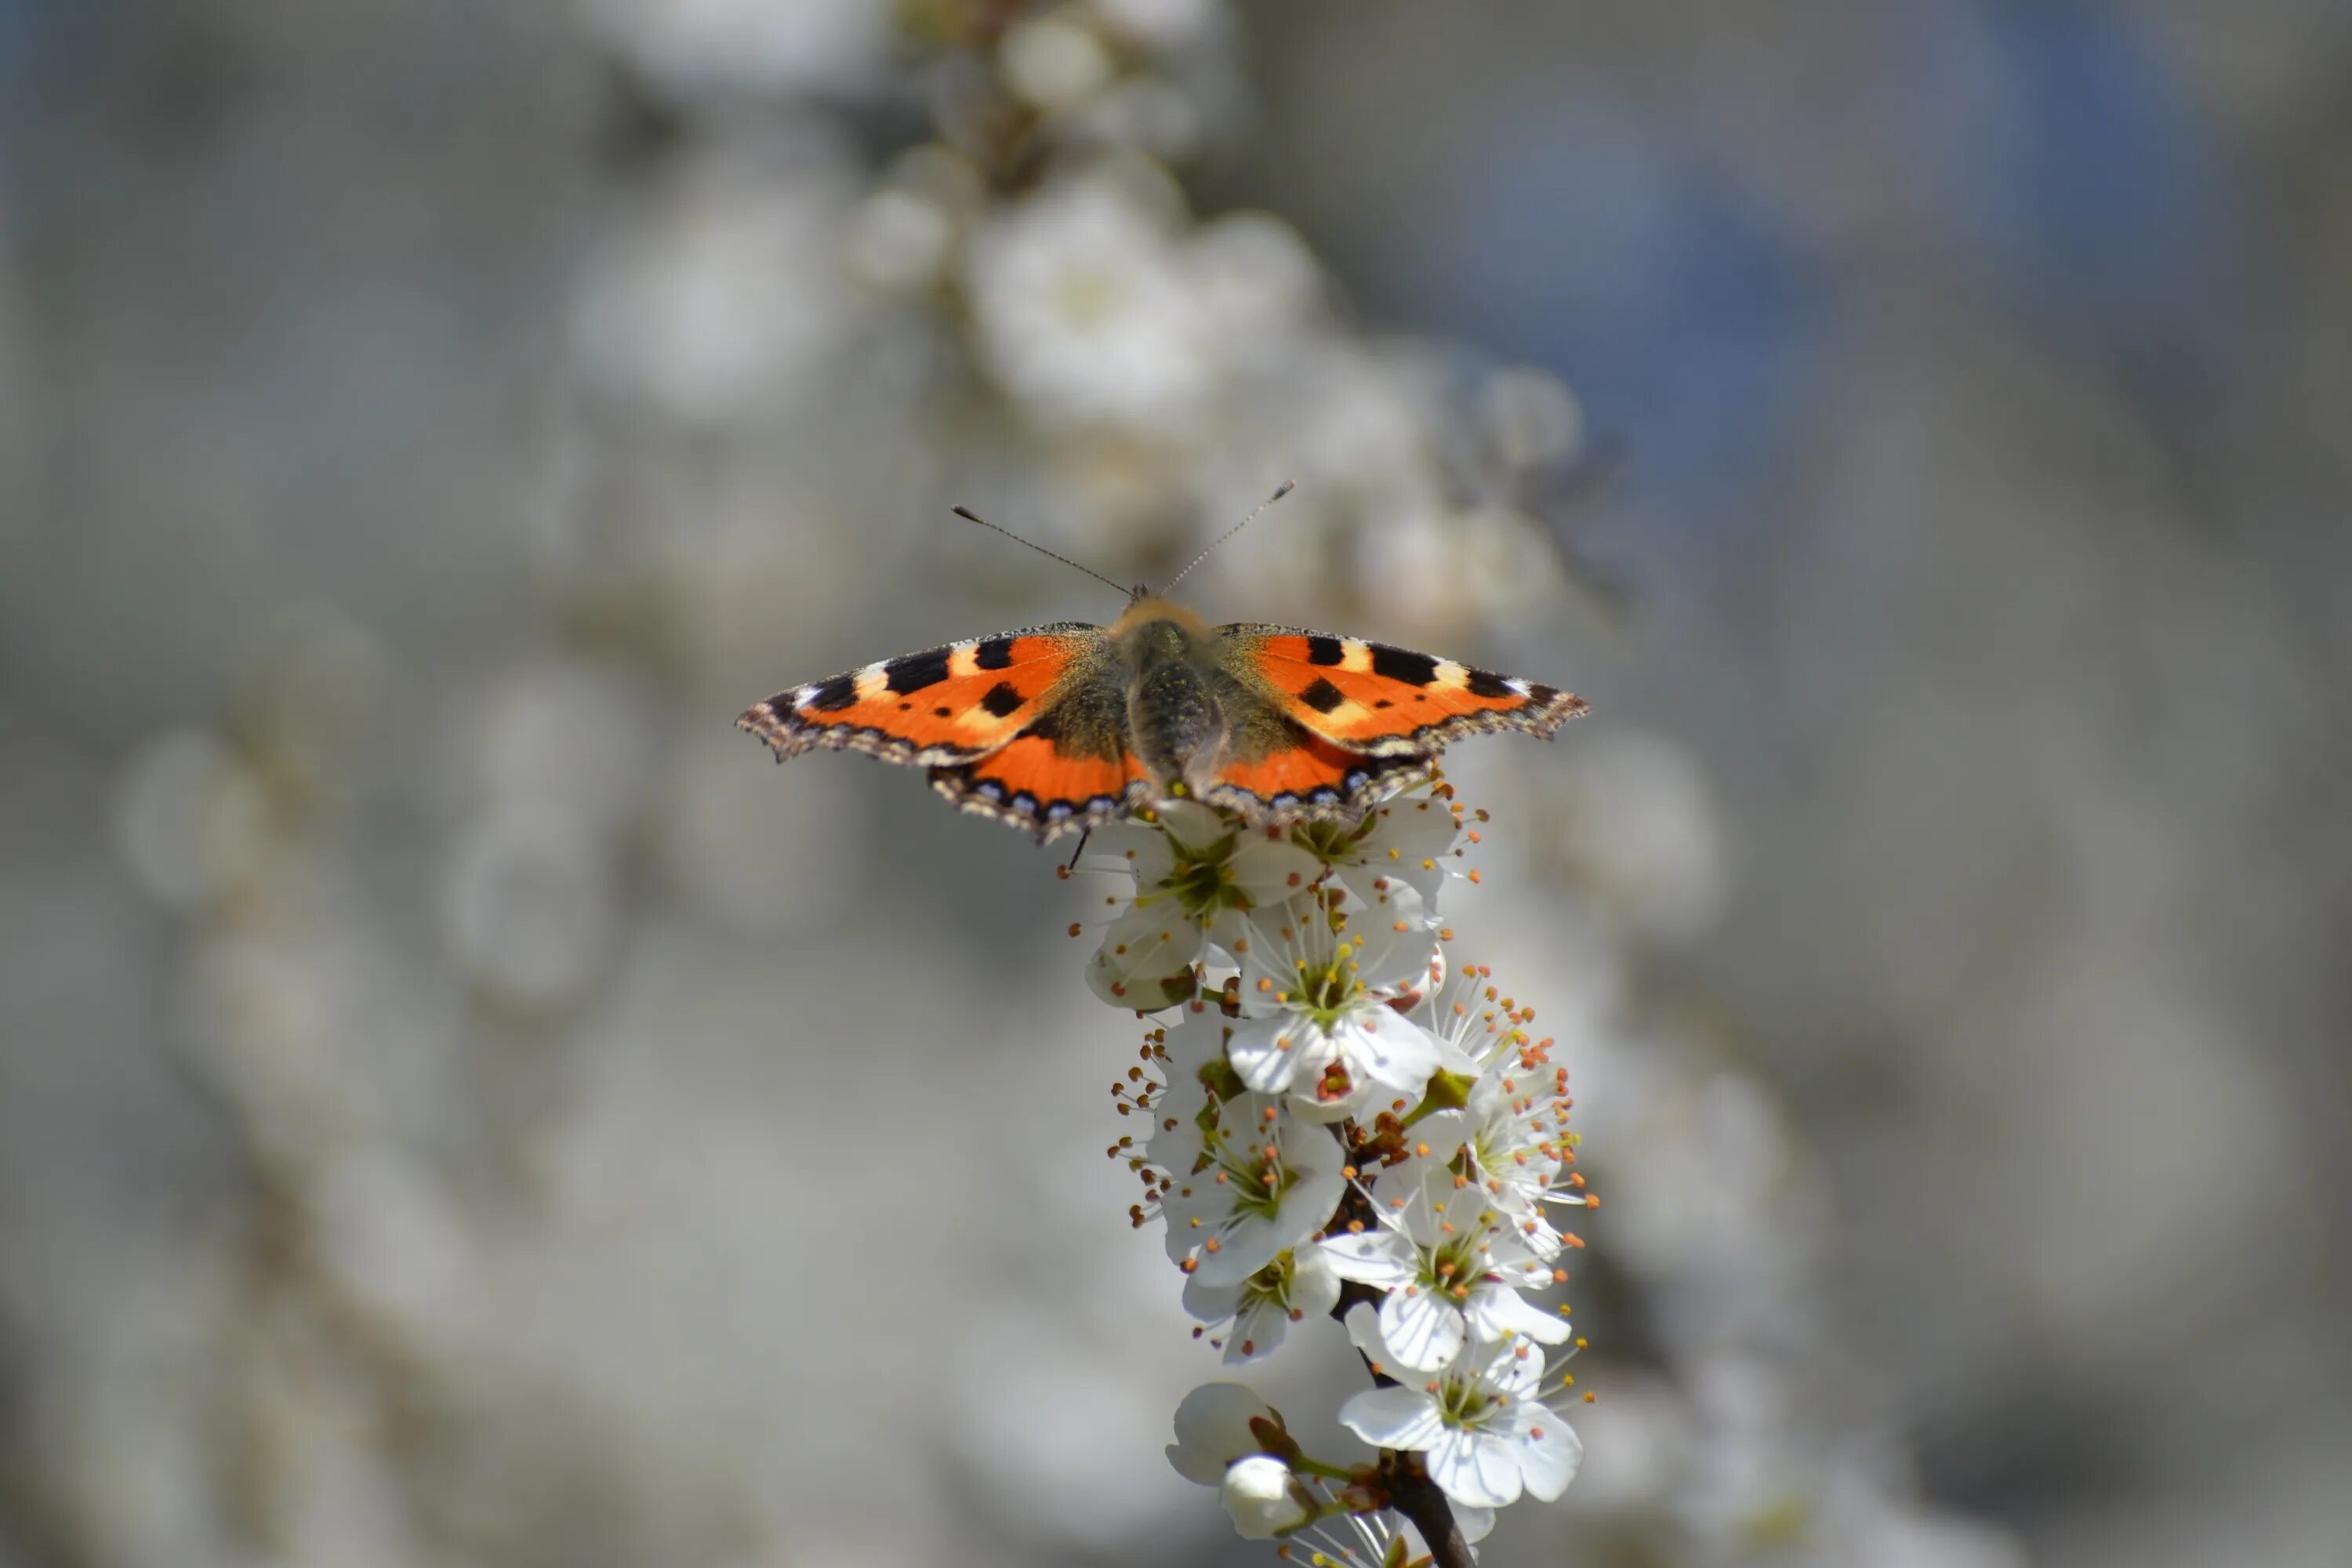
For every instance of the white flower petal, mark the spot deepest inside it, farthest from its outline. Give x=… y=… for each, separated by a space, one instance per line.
x=1270 y=871
x=1395 y=942
x=1266 y=975
x=1178 y=1136
x=1245 y=1244
x=1382 y=1043
x=1550 y=1452
x=1452 y=1058
x=1188 y=1226
x=1421 y=833
x=1314 y=1284
x=1424 y=1330
x=1258 y=1330
x=1266 y=1052
x=1397 y=1417
x=1500 y=1368
x=1134 y=847
x=1193 y=827
x=1380 y=1258
x=1145 y=961
x=1440 y=1134
x=1198 y=1039
x=1474 y=1467
x=1495 y=1311
x=1211 y=1303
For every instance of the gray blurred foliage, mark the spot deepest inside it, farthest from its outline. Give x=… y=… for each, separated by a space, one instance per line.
x=458 y=1106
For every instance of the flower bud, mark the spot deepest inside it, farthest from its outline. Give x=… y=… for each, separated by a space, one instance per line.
x=1264 y=1498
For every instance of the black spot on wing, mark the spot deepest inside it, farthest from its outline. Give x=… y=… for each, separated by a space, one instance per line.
x=917 y=670
x=1484 y=684
x=1325 y=650
x=839 y=692
x=992 y=652
x=1323 y=697
x=1002 y=698
x=1403 y=664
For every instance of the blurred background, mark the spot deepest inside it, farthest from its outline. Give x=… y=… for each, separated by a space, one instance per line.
x=459 y=1104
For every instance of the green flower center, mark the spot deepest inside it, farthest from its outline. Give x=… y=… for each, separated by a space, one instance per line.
x=1464 y=1403
x=1202 y=882
x=1257 y=1182
x=1328 y=993
x=1272 y=1283
x=1330 y=842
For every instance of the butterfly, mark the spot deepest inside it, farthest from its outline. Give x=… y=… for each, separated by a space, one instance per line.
x=1065 y=727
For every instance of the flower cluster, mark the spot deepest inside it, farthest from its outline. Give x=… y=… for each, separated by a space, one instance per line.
x=1342 y=1125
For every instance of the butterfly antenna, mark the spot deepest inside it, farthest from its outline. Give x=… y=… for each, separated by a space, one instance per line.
x=1281 y=490
x=971 y=516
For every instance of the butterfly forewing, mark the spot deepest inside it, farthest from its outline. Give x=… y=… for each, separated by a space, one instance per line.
x=941 y=707
x=1380 y=699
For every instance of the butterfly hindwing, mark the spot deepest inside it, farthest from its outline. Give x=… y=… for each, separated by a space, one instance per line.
x=1035 y=782
x=937 y=708
x=1383 y=700
x=1299 y=775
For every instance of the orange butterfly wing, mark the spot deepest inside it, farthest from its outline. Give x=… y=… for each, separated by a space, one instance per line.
x=1311 y=777
x=1012 y=726
x=943 y=706
x=1385 y=701
x=1036 y=782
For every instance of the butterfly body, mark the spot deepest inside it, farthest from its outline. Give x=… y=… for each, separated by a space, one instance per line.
x=1069 y=725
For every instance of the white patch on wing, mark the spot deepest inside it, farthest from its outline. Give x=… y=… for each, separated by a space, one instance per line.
x=1355 y=656
x=1450 y=674
x=873 y=681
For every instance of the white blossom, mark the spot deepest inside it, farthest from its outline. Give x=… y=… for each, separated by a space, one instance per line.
x=1196 y=876
x=1483 y=1433
x=1453 y=1264
x=1316 y=1024
x=1083 y=310
x=1250 y=1180
x=1255 y=1314
x=1412 y=838
x=1054 y=61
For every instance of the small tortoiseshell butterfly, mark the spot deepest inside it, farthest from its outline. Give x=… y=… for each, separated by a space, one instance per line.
x=1069 y=726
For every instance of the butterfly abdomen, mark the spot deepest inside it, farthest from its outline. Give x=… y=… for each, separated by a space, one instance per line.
x=1173 y=718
